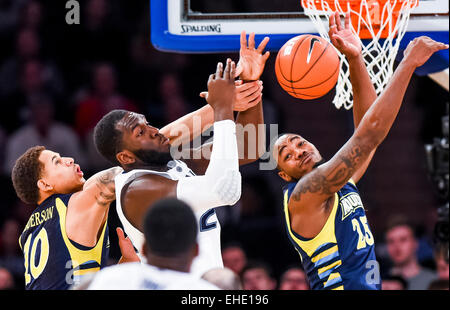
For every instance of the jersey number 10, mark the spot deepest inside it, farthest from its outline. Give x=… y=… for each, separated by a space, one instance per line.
x=34 y=266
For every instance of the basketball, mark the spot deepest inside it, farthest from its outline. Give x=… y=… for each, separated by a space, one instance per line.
x=307 y=67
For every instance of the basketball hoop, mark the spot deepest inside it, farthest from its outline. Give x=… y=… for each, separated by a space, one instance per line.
x=382 y=22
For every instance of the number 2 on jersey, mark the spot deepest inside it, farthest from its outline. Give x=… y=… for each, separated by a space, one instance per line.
x=33 y=266
x=364 y=238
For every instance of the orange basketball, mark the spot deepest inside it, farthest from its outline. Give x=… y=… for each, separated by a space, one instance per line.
x=307 y=66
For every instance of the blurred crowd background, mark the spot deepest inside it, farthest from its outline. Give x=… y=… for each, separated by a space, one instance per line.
x=57 y=81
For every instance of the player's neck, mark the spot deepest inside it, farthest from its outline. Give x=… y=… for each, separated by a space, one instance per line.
x=160 y=168
x=172 y=263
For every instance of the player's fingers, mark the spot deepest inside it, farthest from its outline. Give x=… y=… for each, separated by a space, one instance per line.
x=266 y=55
x=239 y=70
x=347 y=20
x=233 y=70
x=244 y=87
x=238 y=82
x=338 y=22
x=332 y=21
x=255 y=95
x=219 y=70
x=244 y=93
x=226 y=74
x=257 y=98
x=251 y=40
x=243 y=39
x=204 y=94
x=120 y=233
x=262 y=45
x=338 y=41
x=211 y=78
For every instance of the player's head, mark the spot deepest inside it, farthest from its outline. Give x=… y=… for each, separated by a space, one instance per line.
x=295 y=156
x=126 y=138
x=170 y=230
x=401 y=241
x=40 y=173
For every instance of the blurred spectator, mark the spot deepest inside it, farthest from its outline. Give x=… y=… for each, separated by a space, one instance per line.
x=223 y=278
x=6 y=279
x=28 y=47
x=294 y=278
x=257 y=276
x=441 y=258
x=9 y=14
x=2 y=142
x=402 y=246
x=35 y=78
x=234 y=257
x=31 y=16
x=10 y=254
x=394 y=283
x=439 y=284
x=103 y=98
x=174 y=103
x=43 y=130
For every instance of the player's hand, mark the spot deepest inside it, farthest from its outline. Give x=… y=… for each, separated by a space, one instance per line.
x=247 y=95
x=221 y=89
x=251 y=61
x=126 y=248
x=420 y=50
x=343 y=38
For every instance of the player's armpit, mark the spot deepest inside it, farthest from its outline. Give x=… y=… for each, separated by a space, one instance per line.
x=321 y=183
x=141 y=193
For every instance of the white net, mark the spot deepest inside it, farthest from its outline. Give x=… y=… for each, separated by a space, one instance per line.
x=374 y=18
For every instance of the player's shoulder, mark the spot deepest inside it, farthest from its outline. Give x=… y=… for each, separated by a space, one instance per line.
x=186 y=281
x=112 y=277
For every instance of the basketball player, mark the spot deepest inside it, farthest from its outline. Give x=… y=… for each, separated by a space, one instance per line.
x=324 y=214
x=66 y=236
x=170 y=230
x=150 y=173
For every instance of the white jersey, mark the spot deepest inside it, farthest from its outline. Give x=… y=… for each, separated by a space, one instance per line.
x=208 y=238
x=137 y=276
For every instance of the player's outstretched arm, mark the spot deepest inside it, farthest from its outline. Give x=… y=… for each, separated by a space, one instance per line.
x=192 y=125
x=321 y=183
x=88 y=207
x=364 y=93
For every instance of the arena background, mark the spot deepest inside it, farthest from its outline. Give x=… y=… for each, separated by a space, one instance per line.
x=165 y=86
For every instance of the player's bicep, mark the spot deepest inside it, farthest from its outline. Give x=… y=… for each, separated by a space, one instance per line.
x=321 y=183
x=98 y=191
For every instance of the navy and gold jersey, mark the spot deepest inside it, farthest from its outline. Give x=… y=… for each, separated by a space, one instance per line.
x=52 y=260
x=342 y=255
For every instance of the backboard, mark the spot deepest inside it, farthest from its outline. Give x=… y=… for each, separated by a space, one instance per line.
x=201 y=26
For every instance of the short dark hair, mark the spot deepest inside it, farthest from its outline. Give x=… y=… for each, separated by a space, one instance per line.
x=170 y=228
x=257 y=264
x=398 y=279
x=438 y=284
x=26 y=172
x=398 y=220
x=107 y=138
